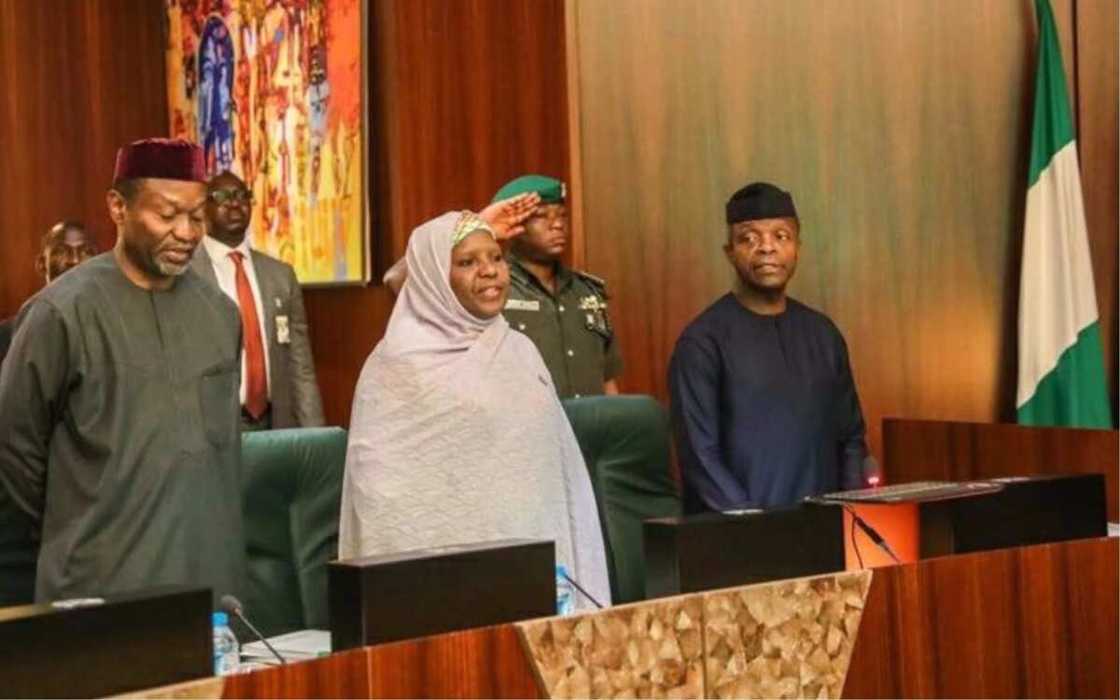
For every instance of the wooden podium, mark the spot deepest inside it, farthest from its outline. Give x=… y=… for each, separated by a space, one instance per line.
x=715 y=550
x=1026 y=510
x=1028 y=621
x=1038 y=621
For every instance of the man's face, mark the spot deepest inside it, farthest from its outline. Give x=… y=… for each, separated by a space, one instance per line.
x=764 y=252
x=480 y=275
x=228 y=208
x=161 y=226
x=546 y=233
x=65 y=251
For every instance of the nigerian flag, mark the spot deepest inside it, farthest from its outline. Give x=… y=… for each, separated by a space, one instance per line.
x=1061 y=364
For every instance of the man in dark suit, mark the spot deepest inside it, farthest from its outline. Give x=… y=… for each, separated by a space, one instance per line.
x=278 y=386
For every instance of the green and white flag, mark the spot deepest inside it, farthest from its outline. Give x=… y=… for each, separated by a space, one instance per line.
x=1061 y=364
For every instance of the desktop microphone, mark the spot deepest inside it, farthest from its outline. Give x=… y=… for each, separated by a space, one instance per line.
x=233 y=606
x=580 y=588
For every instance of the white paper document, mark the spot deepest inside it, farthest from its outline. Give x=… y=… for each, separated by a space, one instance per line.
x=293 y=646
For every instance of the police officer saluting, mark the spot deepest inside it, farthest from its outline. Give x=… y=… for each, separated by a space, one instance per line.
x=563 y=311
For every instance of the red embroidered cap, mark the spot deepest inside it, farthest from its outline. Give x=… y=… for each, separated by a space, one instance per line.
x=166 y=159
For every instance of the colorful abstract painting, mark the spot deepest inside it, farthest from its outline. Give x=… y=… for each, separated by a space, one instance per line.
x=273 y=91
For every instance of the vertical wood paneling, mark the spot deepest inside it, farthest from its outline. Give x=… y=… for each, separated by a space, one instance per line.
x=1025 y=622
x=487 y=662
x=342 y=675
x=80 y=79
x=902 y=130
x=1098 y=81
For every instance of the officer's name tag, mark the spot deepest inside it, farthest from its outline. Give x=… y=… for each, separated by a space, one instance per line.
x=523 y=305
x=283 y=334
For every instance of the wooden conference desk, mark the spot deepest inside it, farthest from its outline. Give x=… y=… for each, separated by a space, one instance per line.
x=930 y=450
x=1038 y=621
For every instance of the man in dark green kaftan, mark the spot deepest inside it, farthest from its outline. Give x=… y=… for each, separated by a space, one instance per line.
x=119 y=407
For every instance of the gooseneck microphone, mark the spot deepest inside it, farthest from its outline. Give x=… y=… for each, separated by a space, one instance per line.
x=232 y=606
x=580 y=588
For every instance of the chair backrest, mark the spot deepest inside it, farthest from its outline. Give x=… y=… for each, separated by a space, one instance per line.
x=19 y=552
x=625 y=442
x=291 y=495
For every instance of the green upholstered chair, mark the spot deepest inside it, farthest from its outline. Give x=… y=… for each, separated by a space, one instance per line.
x=625 y=442
x=291 y=495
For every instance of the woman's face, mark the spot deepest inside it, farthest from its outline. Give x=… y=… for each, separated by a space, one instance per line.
x=480 y=275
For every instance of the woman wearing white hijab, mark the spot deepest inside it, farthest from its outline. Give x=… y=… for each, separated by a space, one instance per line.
x=457 y=435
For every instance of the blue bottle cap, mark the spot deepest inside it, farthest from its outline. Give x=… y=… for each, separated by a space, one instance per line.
x=219 y=619
x=561 y=570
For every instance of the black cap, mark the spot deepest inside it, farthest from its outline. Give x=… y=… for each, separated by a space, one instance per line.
x=760 y=200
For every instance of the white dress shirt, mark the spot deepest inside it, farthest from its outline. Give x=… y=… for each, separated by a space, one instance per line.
x=226 y=273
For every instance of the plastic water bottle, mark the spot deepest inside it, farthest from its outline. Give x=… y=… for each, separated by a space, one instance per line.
x=565 y=600
x=227 y=655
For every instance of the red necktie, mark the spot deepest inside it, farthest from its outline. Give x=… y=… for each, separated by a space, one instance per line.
x=256 y=379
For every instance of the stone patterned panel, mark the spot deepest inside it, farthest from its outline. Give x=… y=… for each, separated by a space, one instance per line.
x=645 y=650
x=787 y=639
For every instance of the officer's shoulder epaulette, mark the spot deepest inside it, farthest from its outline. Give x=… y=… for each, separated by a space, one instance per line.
x=598 y=283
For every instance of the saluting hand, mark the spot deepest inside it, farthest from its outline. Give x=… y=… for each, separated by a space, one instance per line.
x=507 y=216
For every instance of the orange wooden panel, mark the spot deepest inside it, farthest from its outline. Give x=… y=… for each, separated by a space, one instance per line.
x=899 y=526
x=1029 y=622
x=482 y=663
x=488 y=662
x=342 y=675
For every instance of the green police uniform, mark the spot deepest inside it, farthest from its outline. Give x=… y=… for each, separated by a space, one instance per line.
x=570 y=328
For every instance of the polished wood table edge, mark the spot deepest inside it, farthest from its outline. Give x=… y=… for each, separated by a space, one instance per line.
x=210 y=687
x=886 y=639
x=527 y=652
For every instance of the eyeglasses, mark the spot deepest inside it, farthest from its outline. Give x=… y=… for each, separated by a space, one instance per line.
x=221 y=197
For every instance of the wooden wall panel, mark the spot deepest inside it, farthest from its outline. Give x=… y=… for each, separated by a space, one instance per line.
x=1027 y=622
x=73 y=95
x=1098 y=128
x=902 y=129
x=466 y=94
